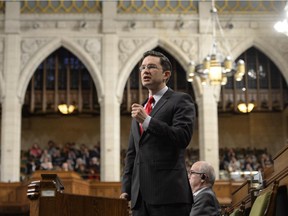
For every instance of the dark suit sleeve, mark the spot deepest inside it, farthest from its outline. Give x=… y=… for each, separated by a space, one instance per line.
x=175 y=122
x=129 y=163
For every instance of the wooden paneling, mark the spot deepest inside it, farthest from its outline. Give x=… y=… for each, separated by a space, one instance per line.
x=13 y=198
x=105 y=189
x=72 y=181
x=222 y=190
x=75 y=205
x=14 y=194
x=241 y=194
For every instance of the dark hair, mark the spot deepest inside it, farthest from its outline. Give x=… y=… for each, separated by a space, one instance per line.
x=164 y=61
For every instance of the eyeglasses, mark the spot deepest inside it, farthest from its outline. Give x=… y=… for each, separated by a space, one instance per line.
x=191 y=172
x=148 y=67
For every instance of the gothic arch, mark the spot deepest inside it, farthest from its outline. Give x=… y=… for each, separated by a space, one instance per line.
x=273 y=53
x=45 y=51
x=268 y=49
x=170 y=47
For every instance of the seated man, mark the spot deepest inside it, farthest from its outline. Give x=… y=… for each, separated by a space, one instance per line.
x=202 y=178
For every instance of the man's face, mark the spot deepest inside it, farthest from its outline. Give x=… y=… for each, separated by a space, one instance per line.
x=152 y=75
x=194 y=177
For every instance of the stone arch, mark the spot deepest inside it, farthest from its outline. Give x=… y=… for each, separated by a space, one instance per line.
x=45 y=51
x=170 y=47
x=268 y=49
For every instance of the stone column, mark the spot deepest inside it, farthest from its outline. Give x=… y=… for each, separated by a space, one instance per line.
x=208 y=126
x=110 y=106
x=11 y=104
x=207 y=96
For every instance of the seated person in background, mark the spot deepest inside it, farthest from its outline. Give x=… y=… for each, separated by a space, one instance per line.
x=234 y=165
x=46 y=164
x=202 y=178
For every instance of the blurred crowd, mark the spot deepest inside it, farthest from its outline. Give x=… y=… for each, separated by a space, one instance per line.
x=83 y=160
x=86 y=161
x=236 y=160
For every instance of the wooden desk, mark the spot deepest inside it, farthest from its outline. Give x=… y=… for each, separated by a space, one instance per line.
x=48 y=198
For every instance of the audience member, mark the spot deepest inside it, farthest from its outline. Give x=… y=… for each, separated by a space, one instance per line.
x=95 y=152
x=95 y=165
x=30 y=166
x=266 y=160
x=234 y=164
x=85 y=154
x=92 y=175
x=82 y=170
x=35 y=151
x=57 y=159
x=248 y=164
x=202 y=178
x=78 y=164
x=46 y=164
x=51 y=147
x=67 y=166
x=45 y=155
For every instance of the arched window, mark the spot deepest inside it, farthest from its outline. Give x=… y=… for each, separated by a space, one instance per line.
x=263 y=85
x=61 y=79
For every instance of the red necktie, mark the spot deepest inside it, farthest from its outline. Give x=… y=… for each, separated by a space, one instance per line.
x=148 y=109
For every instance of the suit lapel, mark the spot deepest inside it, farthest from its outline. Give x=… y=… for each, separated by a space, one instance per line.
x=158 y=106
x=161 y=102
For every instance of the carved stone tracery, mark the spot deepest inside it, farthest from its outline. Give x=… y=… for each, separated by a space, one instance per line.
x=29 y=47
x=93 y=48
x=127 y=47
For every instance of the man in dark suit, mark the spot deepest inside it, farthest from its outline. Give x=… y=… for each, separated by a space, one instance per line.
x=155 y=176
x=202 y=178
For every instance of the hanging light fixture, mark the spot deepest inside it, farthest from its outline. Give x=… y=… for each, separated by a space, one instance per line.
x=282 y=26
x=66 y=109
x=216 y=67
x=245 y=107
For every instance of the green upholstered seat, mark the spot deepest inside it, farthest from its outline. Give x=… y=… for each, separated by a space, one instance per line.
x=264 y=205
x=240 y=211
x=260 y=204
x=236 y=212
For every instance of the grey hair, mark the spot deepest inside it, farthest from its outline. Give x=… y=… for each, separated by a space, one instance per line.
x=208 y=169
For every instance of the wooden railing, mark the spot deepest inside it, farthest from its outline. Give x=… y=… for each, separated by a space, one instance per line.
x=223 y=190
x=277 y=173
x=13 y=195
x=13 y=198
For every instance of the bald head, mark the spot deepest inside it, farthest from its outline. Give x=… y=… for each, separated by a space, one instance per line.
x=207 y=168
x=201 y=175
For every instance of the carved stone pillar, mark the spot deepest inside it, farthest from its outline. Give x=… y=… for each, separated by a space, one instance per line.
x=110 y=106
x=11 y=105
x=208 y=125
